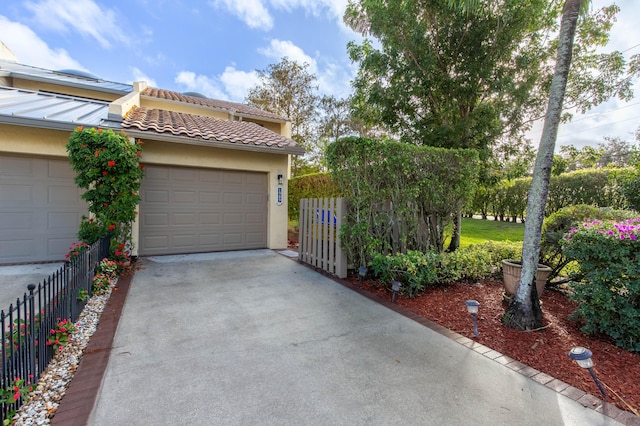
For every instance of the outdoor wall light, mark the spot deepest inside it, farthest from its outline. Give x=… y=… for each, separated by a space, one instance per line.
x=583 y=357
x=472 y=307
x=280 y=179
x=395 y=287
x=362 y=272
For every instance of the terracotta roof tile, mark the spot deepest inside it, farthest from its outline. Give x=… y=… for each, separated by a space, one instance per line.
x=206 y=128
x=232 y=107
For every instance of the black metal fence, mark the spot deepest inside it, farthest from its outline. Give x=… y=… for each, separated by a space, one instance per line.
x=26 y=326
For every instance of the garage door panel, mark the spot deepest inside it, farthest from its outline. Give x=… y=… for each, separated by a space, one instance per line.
x=188 y=197
x=40 y=209
x=16 y=250
x=184 y=175
x=151 y=196
x=203 y=210
x=15 y=193
x=255 y=219
x=61 y=169
x=209 y=197
x=184 y=219
x=155 y=242
x=255 y=199
x=16 y=220
x=211 y=176
x=63 y=221
x=210 y=240
x=58 y=194
x=209 y=218
x=16 y=166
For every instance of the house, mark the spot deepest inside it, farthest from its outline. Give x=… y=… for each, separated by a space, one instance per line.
x=215 y=171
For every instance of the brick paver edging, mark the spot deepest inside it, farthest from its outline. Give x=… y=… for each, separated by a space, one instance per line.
x=588 y=401
x=77 y=404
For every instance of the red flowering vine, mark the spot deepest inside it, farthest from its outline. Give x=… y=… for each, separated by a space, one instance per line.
x=110 y=191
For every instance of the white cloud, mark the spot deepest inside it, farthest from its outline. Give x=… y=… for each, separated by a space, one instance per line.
x=237 y=83
x=30 y=49
x=277 y=49
x=255 y=13
x=251 y=12
x=231 y=85
x=83 y=16
x=139 y=75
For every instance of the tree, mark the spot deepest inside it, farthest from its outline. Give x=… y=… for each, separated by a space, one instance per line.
x=616 y=152
x=288 y=89
x=524 y=311
x=470 y=74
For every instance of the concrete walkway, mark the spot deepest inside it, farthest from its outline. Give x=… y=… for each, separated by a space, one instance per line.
x=254 y=338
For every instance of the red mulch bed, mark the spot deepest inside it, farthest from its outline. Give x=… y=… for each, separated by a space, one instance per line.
x=545 y=350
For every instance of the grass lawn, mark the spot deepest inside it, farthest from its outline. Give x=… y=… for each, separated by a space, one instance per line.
x=476 y=231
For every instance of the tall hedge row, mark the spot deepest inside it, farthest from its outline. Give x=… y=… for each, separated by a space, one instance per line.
x=316 y=185
x=401 y=196
x=609 y=187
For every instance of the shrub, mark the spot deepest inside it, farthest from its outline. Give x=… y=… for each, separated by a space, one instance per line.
x=560 y=222
x=414 y=269
x=317 y=185
x=608 y=254
x=417 y=270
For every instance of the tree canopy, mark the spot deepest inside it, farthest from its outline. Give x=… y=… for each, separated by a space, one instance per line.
x=441 y=75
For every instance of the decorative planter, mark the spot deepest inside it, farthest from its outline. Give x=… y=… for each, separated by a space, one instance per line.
x=511 y=275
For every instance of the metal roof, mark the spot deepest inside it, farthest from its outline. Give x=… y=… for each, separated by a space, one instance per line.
x=47 y=110
x=28 y=72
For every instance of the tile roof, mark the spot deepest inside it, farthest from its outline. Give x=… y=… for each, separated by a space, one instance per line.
x=233 y=107
x=19 y=106
x=243 y=133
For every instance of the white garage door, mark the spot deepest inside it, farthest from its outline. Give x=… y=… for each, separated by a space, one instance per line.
x=40 y=209
x=193 y=210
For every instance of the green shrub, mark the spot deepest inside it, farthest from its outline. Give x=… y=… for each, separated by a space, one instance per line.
x=417 y=270
x=317 y=185
x=608 y=254
x=560 y=222
x=414 y=269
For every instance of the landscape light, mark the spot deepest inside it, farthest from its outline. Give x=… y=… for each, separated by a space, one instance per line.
x=362 y=272
x=472 y=307
x=395 y=287
x=583 y=357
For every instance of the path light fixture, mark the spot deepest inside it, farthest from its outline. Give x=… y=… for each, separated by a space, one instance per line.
x=362 y=272
x=583 y=357
x=395 y=287
x=472 y=307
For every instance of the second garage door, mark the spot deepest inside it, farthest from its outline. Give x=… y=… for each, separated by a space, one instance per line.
x=193 y=210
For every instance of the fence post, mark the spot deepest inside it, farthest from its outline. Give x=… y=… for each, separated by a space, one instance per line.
x=341 y=256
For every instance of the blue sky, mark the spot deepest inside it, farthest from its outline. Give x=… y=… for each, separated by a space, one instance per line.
x=215 y=46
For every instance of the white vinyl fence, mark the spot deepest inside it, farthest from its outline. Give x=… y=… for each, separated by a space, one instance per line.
x=319 y=239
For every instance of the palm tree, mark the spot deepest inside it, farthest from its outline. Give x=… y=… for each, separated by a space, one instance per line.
x=524 y=310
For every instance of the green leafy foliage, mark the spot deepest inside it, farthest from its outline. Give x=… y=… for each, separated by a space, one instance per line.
x=108 y=168
x=561 y=222
x=60 y=336
x=317 y=185
x=608 y=254
x=401 y=196
x=417 y=270
x=16 y=390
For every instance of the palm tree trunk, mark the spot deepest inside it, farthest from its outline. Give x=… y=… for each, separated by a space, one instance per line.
x=524 y=312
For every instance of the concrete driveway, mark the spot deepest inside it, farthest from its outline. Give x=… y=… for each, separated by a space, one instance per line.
x=254 y=338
